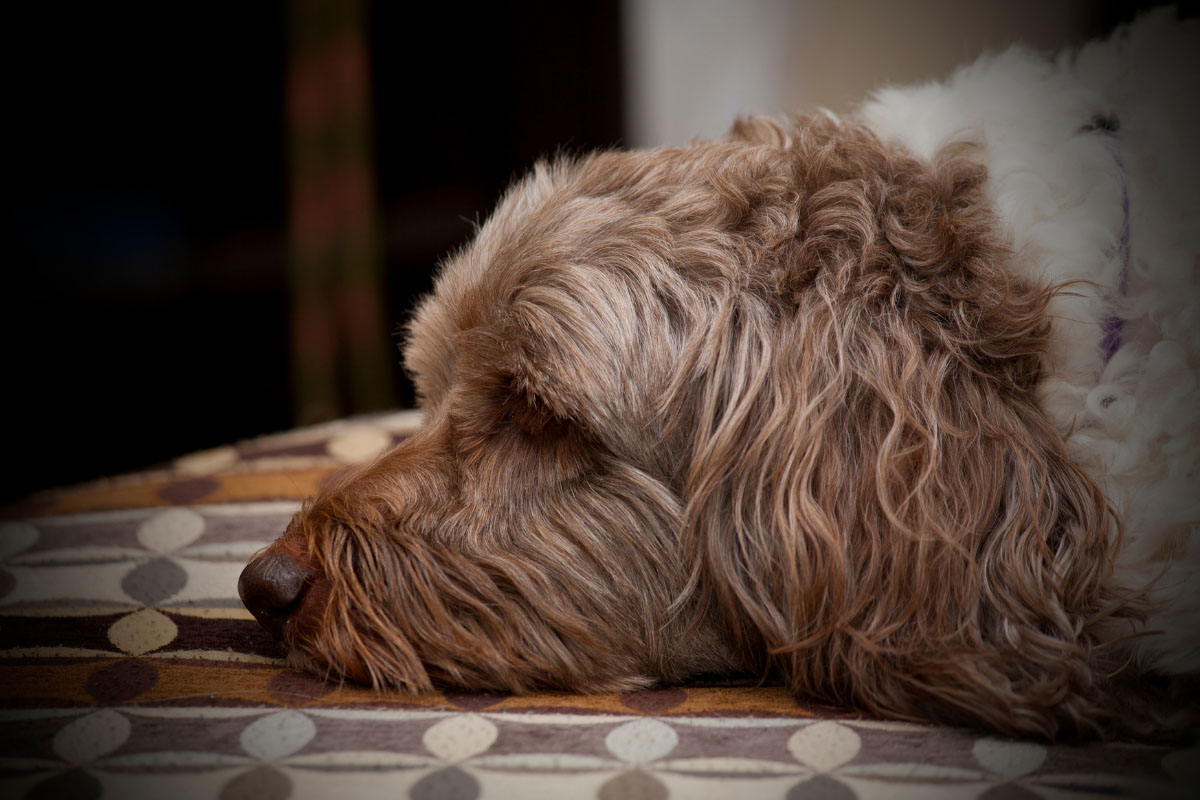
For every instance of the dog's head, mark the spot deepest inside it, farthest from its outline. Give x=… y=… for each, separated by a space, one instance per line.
x=765 y=404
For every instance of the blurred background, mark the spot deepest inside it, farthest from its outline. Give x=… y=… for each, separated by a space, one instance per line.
x=218 y=213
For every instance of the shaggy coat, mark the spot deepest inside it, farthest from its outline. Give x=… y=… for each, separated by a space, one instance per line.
x=770 y=406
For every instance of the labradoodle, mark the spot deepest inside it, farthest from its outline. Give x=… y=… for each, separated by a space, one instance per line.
x=899 y=409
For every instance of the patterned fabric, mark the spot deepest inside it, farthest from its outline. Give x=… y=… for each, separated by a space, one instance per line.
x=128 y=668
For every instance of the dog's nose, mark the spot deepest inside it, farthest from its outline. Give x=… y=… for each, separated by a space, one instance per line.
x=270 y=586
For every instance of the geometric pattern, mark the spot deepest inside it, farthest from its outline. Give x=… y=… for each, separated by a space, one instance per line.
x=264 y=753
x=128 y=668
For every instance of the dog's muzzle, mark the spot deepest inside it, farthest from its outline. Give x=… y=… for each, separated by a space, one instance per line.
x=271 y=586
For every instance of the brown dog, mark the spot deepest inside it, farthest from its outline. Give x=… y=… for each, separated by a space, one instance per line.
x=763 y=406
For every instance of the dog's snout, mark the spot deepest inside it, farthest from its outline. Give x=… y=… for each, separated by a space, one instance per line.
x=271 y=587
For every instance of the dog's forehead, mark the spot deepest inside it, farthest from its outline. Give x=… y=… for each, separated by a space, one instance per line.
x=472 y=280
x=573 y=225
x=476 y=286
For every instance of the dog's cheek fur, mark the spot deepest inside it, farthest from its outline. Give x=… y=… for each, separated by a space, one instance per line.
x=441 y=574
x=875 y=499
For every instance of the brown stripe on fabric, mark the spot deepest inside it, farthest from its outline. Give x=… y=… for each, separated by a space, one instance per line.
x=311 y=449
x=156 y=492
x=765 y=702
x=178 y=682
x=49 y=684
x=298 y=688
x=183 y=683
x=769 y=701
x=209 y=684
x=352 y=696
x=121 y=681
x=99 y=497
x=746 y=701
x=292 y=485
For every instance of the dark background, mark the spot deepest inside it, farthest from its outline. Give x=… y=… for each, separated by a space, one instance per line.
x=145 y=301
x=144 y=308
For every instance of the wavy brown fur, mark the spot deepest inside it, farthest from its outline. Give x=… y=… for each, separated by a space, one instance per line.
x=762 y=405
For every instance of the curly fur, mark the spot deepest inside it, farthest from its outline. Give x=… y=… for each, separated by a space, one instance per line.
x=787 y=405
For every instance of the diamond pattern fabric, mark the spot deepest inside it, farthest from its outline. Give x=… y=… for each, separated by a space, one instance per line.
x=128 y=668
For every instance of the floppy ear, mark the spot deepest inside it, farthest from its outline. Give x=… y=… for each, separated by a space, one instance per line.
x=511 y=415
x=876 y=503
x=499 y=391
x=494 y=365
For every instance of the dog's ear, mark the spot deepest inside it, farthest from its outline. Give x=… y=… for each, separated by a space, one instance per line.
x=875 y=502
x=571 y=350
x=504 y=387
